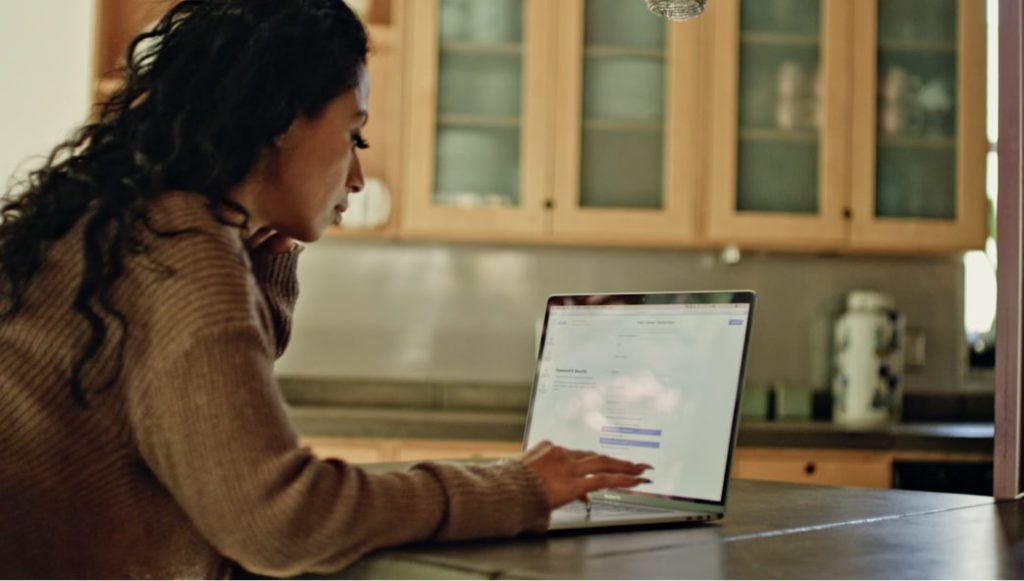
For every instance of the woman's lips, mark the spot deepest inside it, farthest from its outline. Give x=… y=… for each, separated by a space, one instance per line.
x=339 y=209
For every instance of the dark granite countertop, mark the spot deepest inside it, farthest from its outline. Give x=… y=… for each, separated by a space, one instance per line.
x=945 y=437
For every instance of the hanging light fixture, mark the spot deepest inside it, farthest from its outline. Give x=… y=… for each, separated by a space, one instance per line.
x=677 y=9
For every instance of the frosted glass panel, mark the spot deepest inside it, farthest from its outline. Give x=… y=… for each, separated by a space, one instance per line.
x=480 y=21
x=619 y=87
x=622 y=142
x=774 y=177
x=916 y=182
x=781 y=16
x=477 y=166
x=780 y=106
x=479 y=102
x=917 y=100
x=621 y=169
x=622 y=23
x=479 y=84
x=926 y=21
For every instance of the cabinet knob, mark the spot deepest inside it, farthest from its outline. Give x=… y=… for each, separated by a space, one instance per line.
x=548 y=204
x=847 y=213
x=810 y=468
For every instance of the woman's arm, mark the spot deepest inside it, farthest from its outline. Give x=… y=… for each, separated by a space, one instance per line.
x=211 y=426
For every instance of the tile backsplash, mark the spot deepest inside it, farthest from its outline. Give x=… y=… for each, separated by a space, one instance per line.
x=435 y=312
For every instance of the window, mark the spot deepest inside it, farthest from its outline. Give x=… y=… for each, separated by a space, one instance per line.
x=980 y=265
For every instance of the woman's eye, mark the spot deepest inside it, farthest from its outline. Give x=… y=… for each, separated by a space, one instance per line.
x=359 y=142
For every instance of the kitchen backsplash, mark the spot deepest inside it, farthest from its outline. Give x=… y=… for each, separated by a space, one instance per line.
x=434 y=312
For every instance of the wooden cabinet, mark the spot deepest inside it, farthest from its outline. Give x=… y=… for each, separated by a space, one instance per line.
x=550 y=121
x=354 y=450
x=626 y=162
x=919 y=144
x=476 y=163
x=810 y=466
x=778 y=97
x=807 y=125
x=829 y=467
x=803 y=125
x=847 y=125
x=410 y=450
x=370 y=450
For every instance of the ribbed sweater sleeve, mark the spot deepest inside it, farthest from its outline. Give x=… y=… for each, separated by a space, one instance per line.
x=211 y=426
x=276 y=276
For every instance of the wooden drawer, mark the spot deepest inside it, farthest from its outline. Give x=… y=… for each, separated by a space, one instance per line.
x=369 y=450
x=410 y=450
x=354 y=450
x=829 y=467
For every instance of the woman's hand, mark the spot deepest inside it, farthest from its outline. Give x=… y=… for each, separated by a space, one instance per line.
x=570 y=474
x=269 y=241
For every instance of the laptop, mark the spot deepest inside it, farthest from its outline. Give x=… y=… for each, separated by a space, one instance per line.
x=653 y=378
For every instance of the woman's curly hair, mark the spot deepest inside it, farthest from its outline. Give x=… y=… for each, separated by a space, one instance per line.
x=206 y=90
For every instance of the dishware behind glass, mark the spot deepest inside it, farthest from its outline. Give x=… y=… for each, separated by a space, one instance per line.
x=795 y=99
x=936 y=102
x=900 y=111
x=676 y=10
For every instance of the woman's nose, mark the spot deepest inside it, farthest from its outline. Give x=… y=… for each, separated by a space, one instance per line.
x=355 y=181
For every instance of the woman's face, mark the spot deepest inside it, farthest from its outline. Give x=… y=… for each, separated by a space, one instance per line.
x=306 y=179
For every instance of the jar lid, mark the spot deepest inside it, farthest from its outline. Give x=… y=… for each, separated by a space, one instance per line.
x=867 y=300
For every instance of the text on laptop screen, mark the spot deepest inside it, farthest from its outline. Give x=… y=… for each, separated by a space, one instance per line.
x=648 y=383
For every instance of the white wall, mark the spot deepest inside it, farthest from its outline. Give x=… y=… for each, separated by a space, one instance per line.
x=45 y=64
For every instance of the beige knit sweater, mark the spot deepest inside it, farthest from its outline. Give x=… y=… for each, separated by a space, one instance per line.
x=190 y=461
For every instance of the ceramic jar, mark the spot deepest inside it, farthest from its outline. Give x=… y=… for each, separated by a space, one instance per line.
x=867 y=386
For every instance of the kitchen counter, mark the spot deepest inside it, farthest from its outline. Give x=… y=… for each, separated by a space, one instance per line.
x=490 y=412
x=501 y=425
x=771 y=530
x=946 y=437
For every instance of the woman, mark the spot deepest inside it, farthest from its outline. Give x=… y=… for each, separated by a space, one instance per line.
x=147 y=277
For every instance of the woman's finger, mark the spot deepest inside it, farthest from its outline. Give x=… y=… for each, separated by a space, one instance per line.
x=606 y=464
x=258 y=237
x=604 y=480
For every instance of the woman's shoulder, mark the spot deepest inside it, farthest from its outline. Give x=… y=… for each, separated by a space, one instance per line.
x=192 y=260
x=183 y=228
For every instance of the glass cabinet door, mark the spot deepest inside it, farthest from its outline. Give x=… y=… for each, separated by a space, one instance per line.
x=779 y=106
x=479 y=86
x=627 y=122
x=474 y=70
x=779 y=113
x=926 y=100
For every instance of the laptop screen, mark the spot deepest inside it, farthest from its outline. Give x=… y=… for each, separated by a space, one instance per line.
x=654 y=380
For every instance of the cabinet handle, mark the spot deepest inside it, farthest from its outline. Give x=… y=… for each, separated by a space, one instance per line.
x=810 y=468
